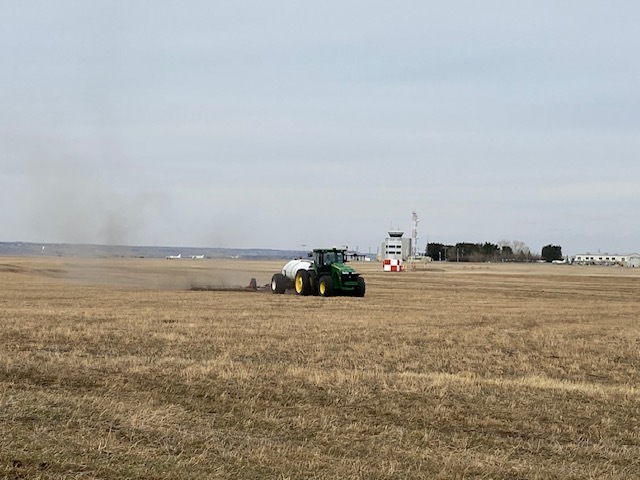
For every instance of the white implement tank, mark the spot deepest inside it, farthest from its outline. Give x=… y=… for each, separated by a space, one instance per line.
x=292 y=266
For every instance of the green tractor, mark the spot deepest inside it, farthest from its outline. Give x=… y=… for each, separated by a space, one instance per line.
x=325 y=273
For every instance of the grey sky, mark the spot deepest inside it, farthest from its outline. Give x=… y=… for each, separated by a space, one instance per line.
x=282 y=123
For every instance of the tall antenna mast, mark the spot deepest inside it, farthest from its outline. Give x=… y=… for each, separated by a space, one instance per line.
x=414 y=234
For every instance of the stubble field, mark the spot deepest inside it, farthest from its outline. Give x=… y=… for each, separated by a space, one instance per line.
x=117 y=368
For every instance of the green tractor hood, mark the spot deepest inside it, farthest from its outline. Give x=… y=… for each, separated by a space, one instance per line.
x=348 y=277
x=343 y=268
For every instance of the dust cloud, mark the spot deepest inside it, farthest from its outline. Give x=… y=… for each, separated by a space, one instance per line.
x=76 y=202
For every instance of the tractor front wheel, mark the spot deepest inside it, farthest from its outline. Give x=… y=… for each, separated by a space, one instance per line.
x=360 y=289
x=325 y=286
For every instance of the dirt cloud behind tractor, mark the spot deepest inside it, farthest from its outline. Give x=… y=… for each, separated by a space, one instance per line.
x=75 y=199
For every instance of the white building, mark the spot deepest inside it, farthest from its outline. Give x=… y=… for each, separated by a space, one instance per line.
x=633 y=260
x=628 y=260
x=395 y=247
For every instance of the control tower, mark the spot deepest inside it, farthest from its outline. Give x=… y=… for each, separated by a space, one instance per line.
x=395 y=249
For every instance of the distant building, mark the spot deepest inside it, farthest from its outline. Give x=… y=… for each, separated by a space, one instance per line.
x=395 y=247
x=628 y=260
x=633 y=260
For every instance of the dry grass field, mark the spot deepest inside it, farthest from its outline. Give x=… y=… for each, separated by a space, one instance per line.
x=117 y=369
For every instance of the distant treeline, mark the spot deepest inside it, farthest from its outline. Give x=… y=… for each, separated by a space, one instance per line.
x=504 y=251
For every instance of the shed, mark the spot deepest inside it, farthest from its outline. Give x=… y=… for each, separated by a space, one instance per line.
x=633 y=260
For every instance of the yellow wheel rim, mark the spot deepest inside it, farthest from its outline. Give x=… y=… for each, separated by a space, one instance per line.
x=322 y=288
x=299 y=283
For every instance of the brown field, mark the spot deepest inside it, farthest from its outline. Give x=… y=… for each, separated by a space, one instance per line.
x=117 y=369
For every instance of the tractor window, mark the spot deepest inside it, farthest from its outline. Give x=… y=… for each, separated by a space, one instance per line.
x=333 y=257
x=329 y=257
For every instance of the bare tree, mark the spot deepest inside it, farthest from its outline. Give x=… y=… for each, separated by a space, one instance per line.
x=519 y=247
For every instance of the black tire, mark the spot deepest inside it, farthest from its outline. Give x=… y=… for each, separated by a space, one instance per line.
x=278 y=283
x=325 y=286
x=313 y=284
x=302 y=283
x=361 y=288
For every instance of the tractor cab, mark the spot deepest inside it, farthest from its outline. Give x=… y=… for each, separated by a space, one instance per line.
x=324 y=258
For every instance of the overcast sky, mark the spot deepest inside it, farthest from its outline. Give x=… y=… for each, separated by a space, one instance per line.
x=281 y=123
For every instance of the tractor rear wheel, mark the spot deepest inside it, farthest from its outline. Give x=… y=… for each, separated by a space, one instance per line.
x=278 y=283
x=325 y=286
x=302 y=283
x=360 y=289
x=313 y=284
